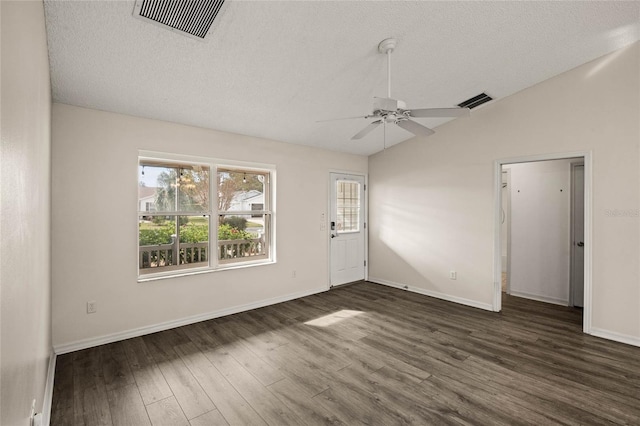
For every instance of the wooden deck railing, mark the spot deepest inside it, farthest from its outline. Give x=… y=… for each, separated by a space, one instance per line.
x=162 y=257
x=230 y=250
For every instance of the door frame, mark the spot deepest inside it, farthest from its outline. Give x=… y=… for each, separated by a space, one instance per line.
x=497 y=249
x=572 y=213
x=327 y=220
x=507 y=217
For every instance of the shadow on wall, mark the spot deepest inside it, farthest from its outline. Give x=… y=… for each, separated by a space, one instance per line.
x=408 y=247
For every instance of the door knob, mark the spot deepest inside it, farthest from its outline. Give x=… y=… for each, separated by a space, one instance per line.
x=333 y=236
x=580 y=244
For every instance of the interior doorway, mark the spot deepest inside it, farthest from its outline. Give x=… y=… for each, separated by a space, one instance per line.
x=542 y=249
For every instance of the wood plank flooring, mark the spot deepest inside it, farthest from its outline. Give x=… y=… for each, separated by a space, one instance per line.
x=360 y=354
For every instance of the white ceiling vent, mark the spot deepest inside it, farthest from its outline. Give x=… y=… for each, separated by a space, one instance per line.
x=189 y=17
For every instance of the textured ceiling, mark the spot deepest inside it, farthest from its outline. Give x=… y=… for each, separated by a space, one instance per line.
x=271 y=69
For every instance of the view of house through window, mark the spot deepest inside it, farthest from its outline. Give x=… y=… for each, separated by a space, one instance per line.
x=178 y=209
x=242 y=226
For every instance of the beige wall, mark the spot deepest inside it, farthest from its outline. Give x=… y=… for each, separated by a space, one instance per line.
x=24 y=210
x=94 y=198
x=432 y=200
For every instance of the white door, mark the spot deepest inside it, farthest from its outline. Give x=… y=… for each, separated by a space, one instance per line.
x=347 y=228
x=577 y=232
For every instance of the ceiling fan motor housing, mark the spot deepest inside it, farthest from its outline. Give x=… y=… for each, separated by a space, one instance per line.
x=388 y=105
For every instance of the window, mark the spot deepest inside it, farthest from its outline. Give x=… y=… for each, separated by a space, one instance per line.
x=189 y=202
x=348 y=205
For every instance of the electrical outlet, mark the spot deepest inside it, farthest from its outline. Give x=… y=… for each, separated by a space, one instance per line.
x=92 y=307
x=453 y=275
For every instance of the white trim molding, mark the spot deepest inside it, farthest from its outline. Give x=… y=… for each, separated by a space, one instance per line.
x=553 y=300
x=434 y=294
x=47 y=402
x=617 y=337
x=141 y=331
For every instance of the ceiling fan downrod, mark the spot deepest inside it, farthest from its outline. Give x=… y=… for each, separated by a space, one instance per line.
x=386 y=46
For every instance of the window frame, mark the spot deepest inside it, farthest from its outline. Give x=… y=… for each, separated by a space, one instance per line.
x=265 y=212
x=214 y=214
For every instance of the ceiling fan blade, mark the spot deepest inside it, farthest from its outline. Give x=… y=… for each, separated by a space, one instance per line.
x=344 y=118
x=415 y=128
x=362 y=133
x=439 y=112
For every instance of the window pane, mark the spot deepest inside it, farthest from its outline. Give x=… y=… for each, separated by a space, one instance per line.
x=193 y=189
x=194 y=240
x=169 y=189
x=156 y=238
x=159 y=248
x=348 y=206
x=241 y=238
x=239 y=190
x=157 y=189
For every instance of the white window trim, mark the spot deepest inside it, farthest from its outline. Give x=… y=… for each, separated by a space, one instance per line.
x=214 y=164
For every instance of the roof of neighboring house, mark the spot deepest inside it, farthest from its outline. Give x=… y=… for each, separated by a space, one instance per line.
x=146 y=192
x=243 y=196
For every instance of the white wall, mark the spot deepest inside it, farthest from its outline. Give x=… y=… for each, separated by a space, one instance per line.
x=95 y=247
x=25 y=284
x=432 y=199
x=540 y=230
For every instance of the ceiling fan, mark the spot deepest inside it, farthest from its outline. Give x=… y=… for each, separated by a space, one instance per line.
x=388 y=110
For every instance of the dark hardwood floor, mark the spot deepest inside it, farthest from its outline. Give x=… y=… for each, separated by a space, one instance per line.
x=360 y=354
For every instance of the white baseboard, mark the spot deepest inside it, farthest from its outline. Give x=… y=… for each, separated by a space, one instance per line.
x=431 y=293
x=48 y=390
x=617 y=337
x=141 y=331
x=539 y=298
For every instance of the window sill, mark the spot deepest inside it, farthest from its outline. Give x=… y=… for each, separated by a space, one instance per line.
x=199 y=271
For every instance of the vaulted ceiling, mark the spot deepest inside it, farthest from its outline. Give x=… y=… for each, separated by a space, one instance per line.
x=273 y=68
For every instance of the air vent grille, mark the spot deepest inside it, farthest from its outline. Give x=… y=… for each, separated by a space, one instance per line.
x=193 y=17
x=475 y=101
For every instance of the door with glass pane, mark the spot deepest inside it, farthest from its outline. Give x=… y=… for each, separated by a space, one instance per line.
x=347 y=226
